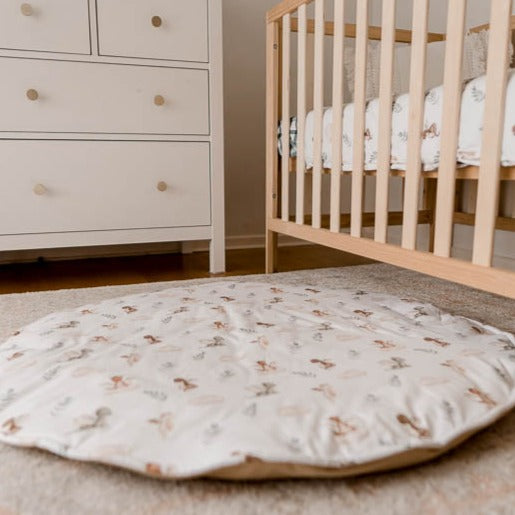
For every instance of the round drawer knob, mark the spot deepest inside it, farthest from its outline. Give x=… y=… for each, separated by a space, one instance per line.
x=157 y=21
x=26 y=9
x=159 y=100
x=162 y=186
x=32 y=94
x=39 y=189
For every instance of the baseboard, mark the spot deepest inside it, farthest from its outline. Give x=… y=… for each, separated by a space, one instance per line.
x=255 y=241
x=187 y=247
x=71 y=253
x=232 y=243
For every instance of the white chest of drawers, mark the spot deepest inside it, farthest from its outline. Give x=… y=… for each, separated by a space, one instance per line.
x=111 y=123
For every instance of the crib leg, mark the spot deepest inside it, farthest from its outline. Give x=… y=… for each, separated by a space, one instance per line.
x=271 y=252
x=430 y=204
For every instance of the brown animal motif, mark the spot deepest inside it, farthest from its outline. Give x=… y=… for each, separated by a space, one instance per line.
x=129 y=309
x=164 y=424
x=76 y=355
x=383 y=345
x=10 y=427
x=263 y=324
x=227 y=299
x=312 y=290
x=14 y=356
x=437 y=341
x=220 y=325
x=482 y=397
x=454 y=366
x=185 y=384
x=324 y=363
x=86 y=312
x=152 y=339
x=431 y=132
x=340 y=427
x=363 y=313
x=263 y=366
x=421 y=432
x=319 y=313
x=99 y=339
x=327 y=390
x=118 y=382
x=132 y=358
x=262 y=341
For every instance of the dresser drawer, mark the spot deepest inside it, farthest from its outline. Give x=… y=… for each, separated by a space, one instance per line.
x=154 y=29
x=58 y=96
x=57 y=186
x=45 y=26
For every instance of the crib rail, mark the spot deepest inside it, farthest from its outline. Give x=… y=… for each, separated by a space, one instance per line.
x=427 y=198
x=374 y=32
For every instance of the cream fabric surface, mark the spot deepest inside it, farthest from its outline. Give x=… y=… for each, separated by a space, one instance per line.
x=189 y=380
x=475 y=478
x=471 y=127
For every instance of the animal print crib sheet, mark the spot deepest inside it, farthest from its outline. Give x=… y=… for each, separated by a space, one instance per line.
x=470 y=132
x=191 y=380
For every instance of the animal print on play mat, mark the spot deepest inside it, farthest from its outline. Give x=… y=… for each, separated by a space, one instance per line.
x=189 y=380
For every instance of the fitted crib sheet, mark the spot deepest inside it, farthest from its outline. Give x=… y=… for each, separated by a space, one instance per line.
x=470 y=133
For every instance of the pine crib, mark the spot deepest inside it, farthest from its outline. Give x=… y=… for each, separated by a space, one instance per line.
x=439 y=207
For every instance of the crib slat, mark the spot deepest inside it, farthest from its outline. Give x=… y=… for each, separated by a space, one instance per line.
x=360 y=84
x=318 y=107
x=491 y=145
x=285 y=172
x=452 y=88
x=415 y=123
x=301 y=114
x=272 y=157
x=338 y=42
x=385 y=120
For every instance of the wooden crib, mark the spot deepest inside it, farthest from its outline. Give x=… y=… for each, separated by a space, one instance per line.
x=439 y=206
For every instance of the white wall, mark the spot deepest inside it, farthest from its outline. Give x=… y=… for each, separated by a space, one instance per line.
x=244 y=75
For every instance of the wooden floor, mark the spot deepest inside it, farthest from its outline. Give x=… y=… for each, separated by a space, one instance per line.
x=55 y=275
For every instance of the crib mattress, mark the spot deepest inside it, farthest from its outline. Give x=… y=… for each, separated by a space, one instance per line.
x=470 y=133
x=249 y=380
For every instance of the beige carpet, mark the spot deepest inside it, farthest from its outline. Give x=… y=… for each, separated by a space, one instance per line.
x=476 y=478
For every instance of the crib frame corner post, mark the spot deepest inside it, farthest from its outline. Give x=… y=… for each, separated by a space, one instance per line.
x=272 y=161
x=487 y=203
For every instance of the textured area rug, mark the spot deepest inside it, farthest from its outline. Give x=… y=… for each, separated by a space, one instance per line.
x=475 y=478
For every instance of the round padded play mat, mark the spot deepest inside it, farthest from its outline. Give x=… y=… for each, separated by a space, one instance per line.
x=248 y=380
